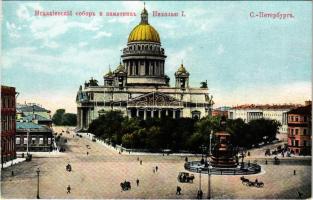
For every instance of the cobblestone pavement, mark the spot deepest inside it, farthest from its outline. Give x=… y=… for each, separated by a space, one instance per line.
x=99 y=174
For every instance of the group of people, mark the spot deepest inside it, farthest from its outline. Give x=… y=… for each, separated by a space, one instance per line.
x=155 y=169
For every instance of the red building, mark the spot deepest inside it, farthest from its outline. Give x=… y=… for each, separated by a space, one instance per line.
x=8 y=124
x=299 y=129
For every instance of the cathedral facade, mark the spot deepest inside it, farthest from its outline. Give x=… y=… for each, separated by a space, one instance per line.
x=139 y=86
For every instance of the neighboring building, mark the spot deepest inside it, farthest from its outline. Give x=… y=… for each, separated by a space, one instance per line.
x=251 y=112
x=139 y=86
x=31 y=109
x=37 y=119
x=299 y=129
x=221 y=111
x=39 y=138
x=8 y=151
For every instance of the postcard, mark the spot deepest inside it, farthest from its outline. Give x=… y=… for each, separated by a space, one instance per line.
x=156 y=100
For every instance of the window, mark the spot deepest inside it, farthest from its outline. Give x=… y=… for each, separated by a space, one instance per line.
x=33 y=140
x=297 y=131
x=297 y=119
x=40 y=140
x=17 y=140
x=305 y=119
x=291 y=131
x=304 y=131
x=25 y=140
x=49 y=140
x=304 y=143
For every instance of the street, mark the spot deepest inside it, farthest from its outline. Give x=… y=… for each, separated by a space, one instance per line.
x=99 y=174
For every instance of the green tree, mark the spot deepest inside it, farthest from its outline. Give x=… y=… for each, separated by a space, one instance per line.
x=57 y=118
x=69 y=119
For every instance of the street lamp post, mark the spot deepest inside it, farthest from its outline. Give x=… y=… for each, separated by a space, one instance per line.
x=27 y=140
x=209 y=168
x=38 y=171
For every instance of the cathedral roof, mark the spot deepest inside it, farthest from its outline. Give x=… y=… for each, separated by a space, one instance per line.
x=144 y=32
x=181 y=70
x=120 y=68
x=109 y=74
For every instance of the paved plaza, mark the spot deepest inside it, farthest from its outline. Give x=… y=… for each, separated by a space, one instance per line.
x=99 y=174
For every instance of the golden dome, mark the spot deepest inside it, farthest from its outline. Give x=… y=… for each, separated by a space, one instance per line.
x=182 y=69
x=144 y=31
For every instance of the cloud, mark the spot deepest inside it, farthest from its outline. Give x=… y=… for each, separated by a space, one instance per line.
x=13 y=30
x=70 y=61
x=102 y=34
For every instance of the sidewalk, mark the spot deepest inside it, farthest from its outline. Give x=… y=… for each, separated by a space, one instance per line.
x=37 y=154
x=13 y=162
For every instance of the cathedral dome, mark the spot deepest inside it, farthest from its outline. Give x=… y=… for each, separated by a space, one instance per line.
x=144 y=32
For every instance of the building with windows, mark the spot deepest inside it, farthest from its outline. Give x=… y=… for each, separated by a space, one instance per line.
x=299 y=129
x=36 y=137
x=221 y=111
x=139 y=86
x=251 y=112
x=8 y=110
x=24 y=110
x=37 y=119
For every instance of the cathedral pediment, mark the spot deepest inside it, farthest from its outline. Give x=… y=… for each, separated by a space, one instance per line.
x=154 y=99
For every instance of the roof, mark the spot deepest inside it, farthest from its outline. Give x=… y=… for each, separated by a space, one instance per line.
x=304 y=110
x=35 y=117
x=31 y=108
x=31 y=126
x=266 y=107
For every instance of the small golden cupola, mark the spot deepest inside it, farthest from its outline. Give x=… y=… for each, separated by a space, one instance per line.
x=182 y=77
x=144 y=32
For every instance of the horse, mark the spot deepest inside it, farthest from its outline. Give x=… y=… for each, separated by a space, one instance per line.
x=244 y=180
x=125 y=185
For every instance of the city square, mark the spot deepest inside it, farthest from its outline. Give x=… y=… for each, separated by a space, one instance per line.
x=99 y=174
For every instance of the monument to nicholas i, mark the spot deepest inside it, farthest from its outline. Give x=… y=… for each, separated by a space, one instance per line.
x=139 y=86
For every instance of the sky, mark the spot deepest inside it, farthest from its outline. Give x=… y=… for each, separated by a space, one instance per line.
x=244 y=59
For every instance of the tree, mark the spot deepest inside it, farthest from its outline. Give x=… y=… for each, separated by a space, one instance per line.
x=69 y=119
x=57 y=118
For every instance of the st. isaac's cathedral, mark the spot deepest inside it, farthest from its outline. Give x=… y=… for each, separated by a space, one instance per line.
x=139 y=86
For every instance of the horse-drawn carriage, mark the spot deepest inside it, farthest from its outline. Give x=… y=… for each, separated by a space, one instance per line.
x=125 y=185
x=185 y=177
x=249 y=183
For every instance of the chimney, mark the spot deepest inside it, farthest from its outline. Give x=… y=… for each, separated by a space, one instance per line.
x=306 y=103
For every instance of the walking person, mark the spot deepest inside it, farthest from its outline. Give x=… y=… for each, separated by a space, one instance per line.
x=87 y=153
x=294 y=172
x=12 y=173
x=137 y=182
x=153 y=170
x=140 y=162
x=178 y=190
x=68 y=189
x=156 y=168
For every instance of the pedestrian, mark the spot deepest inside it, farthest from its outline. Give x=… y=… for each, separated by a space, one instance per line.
x=68 y=189
x=178 y=190
x=12 y=173
x=140 y=162
x=299 y=194
x=137 y=182
x=153 y=170
x=156 y=168
x=186 y=159
x=266 y=162
x=87 y=153
x=200 y=194
x=256 y=180
x=137 y=158
x=294 y=172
